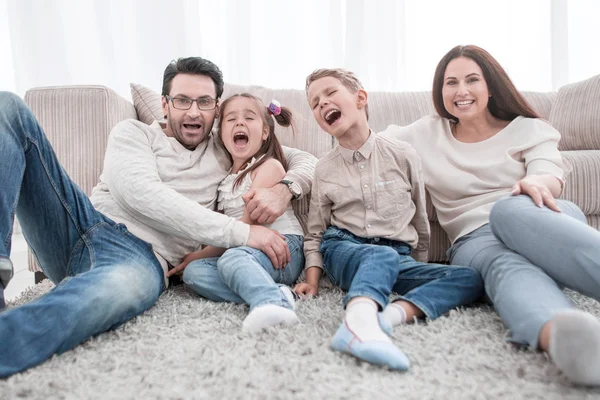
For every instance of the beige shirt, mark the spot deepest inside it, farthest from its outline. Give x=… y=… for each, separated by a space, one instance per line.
x=374 y=192
x=466 y=179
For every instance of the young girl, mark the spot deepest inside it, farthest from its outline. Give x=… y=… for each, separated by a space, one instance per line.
x=244 y=274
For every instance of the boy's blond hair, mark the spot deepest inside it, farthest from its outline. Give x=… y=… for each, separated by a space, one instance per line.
x=347 y=78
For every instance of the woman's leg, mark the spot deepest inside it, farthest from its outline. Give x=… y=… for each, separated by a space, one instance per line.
x=561 y=244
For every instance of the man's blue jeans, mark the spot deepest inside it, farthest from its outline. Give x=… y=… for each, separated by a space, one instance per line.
x=246 y=275
x=526 y=254
x=377 y=267
x=104 y=275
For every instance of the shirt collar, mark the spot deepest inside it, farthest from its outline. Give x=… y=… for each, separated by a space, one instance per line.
x=365 y=150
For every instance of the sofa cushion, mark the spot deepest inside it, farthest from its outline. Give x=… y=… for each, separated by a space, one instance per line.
x=147 y=103
x=576 y=115
x=582 y=183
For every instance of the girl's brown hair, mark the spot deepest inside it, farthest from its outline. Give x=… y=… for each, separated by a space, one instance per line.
x=506 y=103
x=271 y=148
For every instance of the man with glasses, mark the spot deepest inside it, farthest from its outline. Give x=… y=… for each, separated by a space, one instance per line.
x=152 y=206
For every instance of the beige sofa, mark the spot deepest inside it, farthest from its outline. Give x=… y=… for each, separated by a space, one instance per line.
x=78 y=119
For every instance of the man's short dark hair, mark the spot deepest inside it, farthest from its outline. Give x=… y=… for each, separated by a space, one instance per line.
x=193 y=66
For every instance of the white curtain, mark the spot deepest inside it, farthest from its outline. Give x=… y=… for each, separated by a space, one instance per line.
x=391 y=44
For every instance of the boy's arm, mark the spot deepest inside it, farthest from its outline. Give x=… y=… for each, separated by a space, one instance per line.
x=319 y=218
x=269 y=203
x=419 y=221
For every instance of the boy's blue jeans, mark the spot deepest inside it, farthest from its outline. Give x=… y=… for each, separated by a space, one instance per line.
x=377 y=267
x=104 y=275
x=246 y=275
x=526 y=254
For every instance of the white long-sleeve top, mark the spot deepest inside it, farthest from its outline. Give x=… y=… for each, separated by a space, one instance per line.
x=466 y=179
x=165 y=194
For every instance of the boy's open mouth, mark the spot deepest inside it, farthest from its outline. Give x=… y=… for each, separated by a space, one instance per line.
x=332 y=115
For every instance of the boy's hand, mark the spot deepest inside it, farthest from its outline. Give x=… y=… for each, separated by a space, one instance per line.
x=266 y=205
x=304 y=289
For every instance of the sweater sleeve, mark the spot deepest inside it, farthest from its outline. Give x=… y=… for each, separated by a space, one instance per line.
x=301 y=168
x=131 y=174
x=542 y=156
x=419 y=221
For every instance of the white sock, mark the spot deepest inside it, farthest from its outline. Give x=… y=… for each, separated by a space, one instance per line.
x=289 y=295
x=575 y=346
x=268 y=315
x=394 y=314
x=361 y=318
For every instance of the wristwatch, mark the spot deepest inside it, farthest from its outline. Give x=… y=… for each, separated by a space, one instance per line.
x=294 y=188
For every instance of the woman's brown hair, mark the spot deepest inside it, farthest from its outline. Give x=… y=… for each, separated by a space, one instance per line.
x=505 y=103
x=271 y=148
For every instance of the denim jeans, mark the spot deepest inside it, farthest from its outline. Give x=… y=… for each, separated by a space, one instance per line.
x=104 y=275
x=377 y=267
x=525 y=255
x=246 y=275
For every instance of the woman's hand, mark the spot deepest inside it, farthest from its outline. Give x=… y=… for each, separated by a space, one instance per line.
x=540 y=188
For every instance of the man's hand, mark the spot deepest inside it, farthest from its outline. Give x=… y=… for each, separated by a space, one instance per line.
x=266 y=205
x=271 y=243
x=304 y=289
x=538 y=188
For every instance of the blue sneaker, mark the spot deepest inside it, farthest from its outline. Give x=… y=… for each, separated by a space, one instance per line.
x=374 y=352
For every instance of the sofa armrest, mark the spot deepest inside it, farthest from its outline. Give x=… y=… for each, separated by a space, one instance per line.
x=77 y=121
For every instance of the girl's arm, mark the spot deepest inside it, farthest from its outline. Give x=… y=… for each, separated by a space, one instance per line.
x=267 y=175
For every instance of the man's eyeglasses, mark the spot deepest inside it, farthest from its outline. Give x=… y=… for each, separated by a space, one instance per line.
x=183 y=103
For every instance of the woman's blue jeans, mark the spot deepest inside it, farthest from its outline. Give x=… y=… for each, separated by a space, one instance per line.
x=526 y=254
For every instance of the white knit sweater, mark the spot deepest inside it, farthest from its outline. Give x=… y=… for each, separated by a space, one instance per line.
x=465 y=179
x=165 y=194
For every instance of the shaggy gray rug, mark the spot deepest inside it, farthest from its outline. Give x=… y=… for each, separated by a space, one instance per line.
x=189 y=348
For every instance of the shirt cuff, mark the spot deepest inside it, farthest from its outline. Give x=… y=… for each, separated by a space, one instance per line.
x=239 y=234
x=314 y=259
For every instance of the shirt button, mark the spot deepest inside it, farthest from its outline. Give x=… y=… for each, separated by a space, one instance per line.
x=368 y=225
x=365 y=186
x=368 y=207
x=362 y=166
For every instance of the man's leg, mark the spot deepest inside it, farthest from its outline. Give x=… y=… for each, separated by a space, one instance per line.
x=70 y=239
x=116 y=277
x=53 y=212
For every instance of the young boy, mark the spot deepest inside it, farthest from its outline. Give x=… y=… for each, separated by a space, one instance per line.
x=367 y=214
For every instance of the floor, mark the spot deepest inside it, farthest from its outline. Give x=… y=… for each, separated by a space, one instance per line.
x=23 y=278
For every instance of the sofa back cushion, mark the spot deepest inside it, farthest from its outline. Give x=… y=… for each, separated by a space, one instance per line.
x=576 y=115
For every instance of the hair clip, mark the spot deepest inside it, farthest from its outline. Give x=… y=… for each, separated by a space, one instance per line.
x=274 y=108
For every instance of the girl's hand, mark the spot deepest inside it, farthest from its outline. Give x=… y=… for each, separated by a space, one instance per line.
x=535 y=186
x=304 y=289
x=178 y=269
